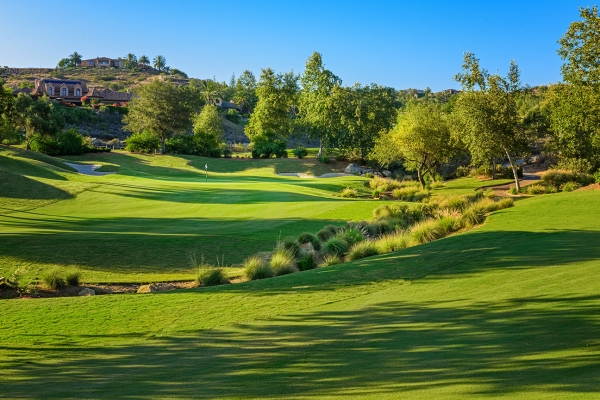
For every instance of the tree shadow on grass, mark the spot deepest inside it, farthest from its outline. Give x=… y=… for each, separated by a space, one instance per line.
x=519 y=346
x=21 y=187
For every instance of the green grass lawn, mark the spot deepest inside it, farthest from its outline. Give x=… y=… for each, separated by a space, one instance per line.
x=510 y=309
x=141 y=224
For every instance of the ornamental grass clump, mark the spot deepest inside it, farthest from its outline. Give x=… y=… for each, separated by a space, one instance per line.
x=255 y=268
x=308 y=261
x=454 y=203
x=336 y=246
x=73 y=277
x=324 y=235
x=560 y=177
x=283 y=262
x=570 y=186
x=308 y=237
x=513 y=190
x=349 y=193
x=352 y=235
x=426 y=231
x=363 y=249
x=474 y=215
x=536 y=189
x=330 y=259
x=53 y=279
x=507 y=202
x=384 y=184
x=211 y=276
x=392 y=242
x=291 y=245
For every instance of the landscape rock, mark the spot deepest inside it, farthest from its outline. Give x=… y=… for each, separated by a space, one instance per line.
x=87 y=292
x=386 y=173
x=353 y=169
x=103 y=291
x=148 y=288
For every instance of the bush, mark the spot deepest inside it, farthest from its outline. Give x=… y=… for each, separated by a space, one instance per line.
x=475 y=214
x=283 y=262
x=255 y=268
x=72 y=277
x=449 y=223
x=597 y=176
x=575 y=164
x=506 y=203
x=378 y=228
x=513 y=190
x=349 y=192
x=551 y=189
x=300 y=152
x=455 y=203
x=570 y=186
x=324 y=234
x=144 y=142
x=426 y=231
x=324 y=159
x=307 y=262
x=362 y=249
x=264 y=147
x=559 y=177
x=210 y=276
x=330 y=259
x=376 y=193
x=233 y=116
x=335 y=246
x=308 y=237
x=384 y=184
x=536 y=189
x=392 y=242
x=65 y=143
x=291 y=245
x=54 y=279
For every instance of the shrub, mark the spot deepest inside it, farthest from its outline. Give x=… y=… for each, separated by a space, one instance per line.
x=324 y=234
x=300 y=152
x=324 y=159
x=378 y=228
x=449 y=223
x=332 y=228
x=506 y=203
x=362 y=249
x=513 y=190
x=376 y=193
x=384 y=184
x=474 y=215
x=210 y=276
x=144 y=142
x=283 y=262
x=489 y=194
x=72 y=277
x=54 y=279
x=291 y=245
x=255 y=268
x=536 y=189
x=597 y=176
x=570 y=186
x=426 y=231
x=349 y=192
x=336 y=246
x=307 y=262
x=330 y=259
x=559 y=177
x=308 y=237
x=233 y=116
x=455 y=203
x=551 y=189
x=265 y=147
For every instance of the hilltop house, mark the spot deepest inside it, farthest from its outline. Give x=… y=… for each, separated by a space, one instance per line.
x=74 y=92
x=102 y=62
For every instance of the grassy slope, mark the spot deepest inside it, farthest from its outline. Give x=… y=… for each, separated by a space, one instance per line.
x=140 y=224
x=509 y=309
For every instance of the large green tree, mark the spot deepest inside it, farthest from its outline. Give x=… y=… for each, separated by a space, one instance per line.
x=421 y=139
x=273 y=115
x=486 y=116
x=245 y=91
x=160 y=108
x=317 y=103
x=36 y=117
x=8 y=131
x=365 y=113
x=208 y=131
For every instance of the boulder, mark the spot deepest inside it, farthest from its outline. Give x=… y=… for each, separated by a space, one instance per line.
x=353 y=169
x=386 y=173
x=148 y=288
x=103 y=290
x=87 y=292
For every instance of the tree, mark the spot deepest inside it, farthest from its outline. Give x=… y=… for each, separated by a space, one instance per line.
x=8 y=131
x=210 y=90
x=130 y=61
x=36 y=117
x=317 y=105
x=208 y=130
x=421 y=138
x=273 y=114
x=245 y=91
x=64 y=63
x=486 y=116
x=160 y=62
x=365 y=113
x=580 y=47
x=161 y=108
x=75 y=59
x=144 y=60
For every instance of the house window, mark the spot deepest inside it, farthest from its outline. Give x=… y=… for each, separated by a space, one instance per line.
x=77 y=92
x=50 y=90
x=64 y=91
x=91 y=63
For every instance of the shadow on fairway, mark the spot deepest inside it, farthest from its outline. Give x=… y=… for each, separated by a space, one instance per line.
x=517 y=346
x=21 y=187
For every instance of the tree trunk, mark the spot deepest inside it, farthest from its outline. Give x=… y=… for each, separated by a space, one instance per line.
x=421 y=177
x=494 y=168
x=514 y=169
x=320 y=148
x=163 y=148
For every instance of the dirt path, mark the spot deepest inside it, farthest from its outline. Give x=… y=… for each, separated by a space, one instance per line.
x=532 y=173
x=301 y=175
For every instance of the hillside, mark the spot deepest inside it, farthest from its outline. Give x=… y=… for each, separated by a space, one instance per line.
x=508 y=309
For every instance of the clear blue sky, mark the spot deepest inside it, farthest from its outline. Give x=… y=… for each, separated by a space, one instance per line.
x=395 y=43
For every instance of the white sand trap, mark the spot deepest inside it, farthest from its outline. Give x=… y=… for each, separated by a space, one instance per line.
x=87 y=169
x=302 y=175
